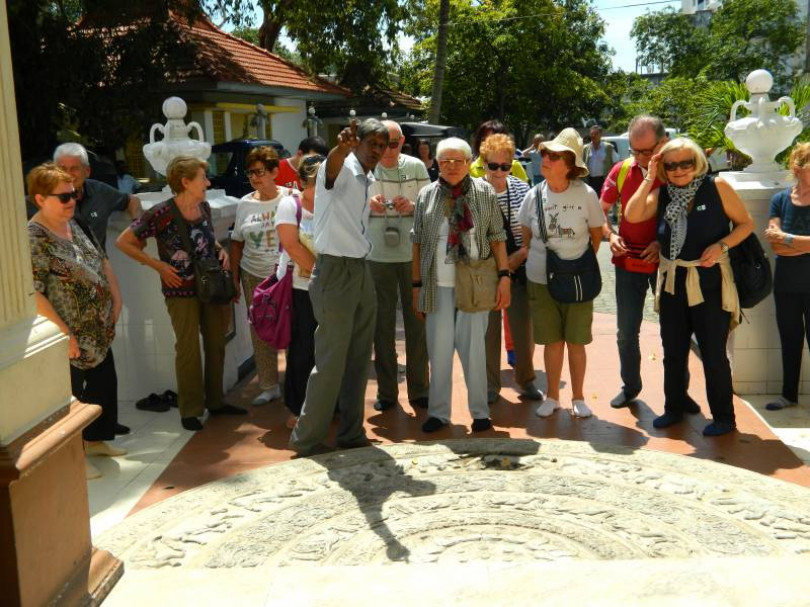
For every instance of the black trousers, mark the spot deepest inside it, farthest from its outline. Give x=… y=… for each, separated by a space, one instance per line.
x=793 y=321
x=98 y=386
x=710 y=325
x=300 y=353
x=596 y=183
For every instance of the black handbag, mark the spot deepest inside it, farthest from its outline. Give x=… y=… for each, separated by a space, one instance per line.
x=752 y=271
x=569 y=280
x=213 y=283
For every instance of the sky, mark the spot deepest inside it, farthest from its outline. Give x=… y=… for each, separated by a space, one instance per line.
x=618 y=16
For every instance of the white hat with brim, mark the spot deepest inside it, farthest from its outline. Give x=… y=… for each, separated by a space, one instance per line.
x=568 y=140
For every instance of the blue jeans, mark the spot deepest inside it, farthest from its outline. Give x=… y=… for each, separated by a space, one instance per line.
x=631 y=292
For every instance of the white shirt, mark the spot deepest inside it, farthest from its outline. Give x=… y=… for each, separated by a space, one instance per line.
x=254 y=226
x=286 y=215
x=341 y=213
x=569 y=216
x=446 y=272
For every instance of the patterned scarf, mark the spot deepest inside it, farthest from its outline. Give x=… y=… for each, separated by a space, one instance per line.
x=675 y=213
x=457 y=211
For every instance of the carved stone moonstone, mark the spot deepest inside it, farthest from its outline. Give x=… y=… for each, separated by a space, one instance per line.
x=462 y=501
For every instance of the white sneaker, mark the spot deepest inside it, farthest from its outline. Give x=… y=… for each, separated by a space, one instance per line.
x=548 y=407
x=266 y=396
x=580 y=409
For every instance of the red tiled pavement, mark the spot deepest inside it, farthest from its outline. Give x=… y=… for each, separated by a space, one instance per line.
x=232 y=445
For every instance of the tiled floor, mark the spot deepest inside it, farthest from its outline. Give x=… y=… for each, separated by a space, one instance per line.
x=163 y=459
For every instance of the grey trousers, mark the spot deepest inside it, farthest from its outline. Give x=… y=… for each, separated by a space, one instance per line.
x=344 y=304
x=520 y=324
x=392 y=281
x=449 y=329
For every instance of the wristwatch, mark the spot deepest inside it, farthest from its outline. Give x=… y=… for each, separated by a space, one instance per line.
x=503 y=274
x=789 y=239
x=723 y=246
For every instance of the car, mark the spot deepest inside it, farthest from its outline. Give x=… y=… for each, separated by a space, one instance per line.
x=414 y=131
x=228 y=170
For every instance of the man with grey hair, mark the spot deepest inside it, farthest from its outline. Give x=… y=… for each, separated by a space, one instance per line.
x=342 y=291
x=399 y=179
x=96 y=200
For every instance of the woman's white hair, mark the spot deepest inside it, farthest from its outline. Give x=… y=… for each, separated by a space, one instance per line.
x=453 y=144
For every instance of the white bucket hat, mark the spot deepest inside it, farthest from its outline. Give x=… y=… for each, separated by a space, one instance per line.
x=568 y=140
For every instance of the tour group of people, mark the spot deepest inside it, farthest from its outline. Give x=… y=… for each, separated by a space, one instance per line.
x=367 y=230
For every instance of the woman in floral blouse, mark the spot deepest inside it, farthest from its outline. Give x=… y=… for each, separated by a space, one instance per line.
x=77 y=291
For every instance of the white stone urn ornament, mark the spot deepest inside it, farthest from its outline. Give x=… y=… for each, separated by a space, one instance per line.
x=764 y=133
x=176 y=137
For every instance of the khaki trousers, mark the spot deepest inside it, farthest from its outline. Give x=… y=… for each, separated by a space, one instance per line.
x=265 y=357
x=198 y=390
x=520 y=324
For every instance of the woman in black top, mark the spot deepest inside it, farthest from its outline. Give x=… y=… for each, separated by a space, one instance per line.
x=424 y=153
x=789 y=235
x=696 y=293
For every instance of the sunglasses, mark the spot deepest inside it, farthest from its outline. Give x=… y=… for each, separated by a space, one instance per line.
x=683 y=164
x=552 y=156
x=494 y=166
x=452 y=162
x=257 y=172
x=66 y=197
x=315 y=159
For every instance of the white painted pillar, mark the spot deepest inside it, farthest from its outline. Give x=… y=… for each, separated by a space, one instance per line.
x=226 y=119
x=756 y=349
x=208 y=126
x=34 y=372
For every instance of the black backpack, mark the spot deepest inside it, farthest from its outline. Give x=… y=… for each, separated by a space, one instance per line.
x=752 y=271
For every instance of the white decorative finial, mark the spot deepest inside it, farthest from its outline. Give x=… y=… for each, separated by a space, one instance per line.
x=175 y=108
x=384 y=115
x=352 y=113
x=176 y=140
x=759 y=82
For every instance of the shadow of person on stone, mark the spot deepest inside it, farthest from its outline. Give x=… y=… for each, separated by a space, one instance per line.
x=373 y=477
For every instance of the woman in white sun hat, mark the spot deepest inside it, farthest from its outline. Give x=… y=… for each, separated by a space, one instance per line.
x=573 y=221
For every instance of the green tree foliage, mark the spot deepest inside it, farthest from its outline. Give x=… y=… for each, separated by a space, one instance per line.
x=743 y=35
x=354 y=39
x=535 y=64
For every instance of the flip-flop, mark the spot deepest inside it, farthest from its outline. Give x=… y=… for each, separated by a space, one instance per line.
x=170 y=398
x=154 y=403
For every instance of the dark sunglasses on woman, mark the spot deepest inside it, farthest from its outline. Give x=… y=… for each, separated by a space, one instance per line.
x=494 y=166
x=553 y=156
x=683 y=164
x=66 y=197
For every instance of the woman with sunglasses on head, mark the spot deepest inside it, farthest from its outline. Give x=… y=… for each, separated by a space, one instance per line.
x=77 y=291
x=573 y=220
x=789 y=236
x=254 y=254
x=497 y=152
x=695 y=292
x=296 y=238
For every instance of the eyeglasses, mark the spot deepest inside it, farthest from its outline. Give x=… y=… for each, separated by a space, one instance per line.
x=66 y=197
x=392 y=145
x=647 y=152
x=552 y=156
x=683 y=164
x=452 y=162
x=257 y=172
x=494 y=166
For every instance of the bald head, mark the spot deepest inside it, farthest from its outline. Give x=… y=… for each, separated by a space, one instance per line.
x=390 y=158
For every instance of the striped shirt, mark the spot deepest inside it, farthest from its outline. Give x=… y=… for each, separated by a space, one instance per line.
x=509 y=201
x=427 y=223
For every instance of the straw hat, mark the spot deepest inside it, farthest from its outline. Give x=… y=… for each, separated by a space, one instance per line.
x=568 y=140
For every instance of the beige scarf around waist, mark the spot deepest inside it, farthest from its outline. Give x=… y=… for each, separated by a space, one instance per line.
x=694 y=294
